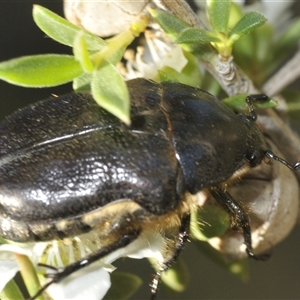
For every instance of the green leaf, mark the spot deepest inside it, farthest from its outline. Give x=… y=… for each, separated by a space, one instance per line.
x=253 y=53
x=216 y=220
x=40 y=70
x=123 y=286
x=62 y=30
x=178 y=277
x=247 y=23
x=190 y=75
x=238 y=102
x=116 y=46
x=81 y=52
x=235 y=15
x=209 y=221
x=110 y=91
x=218 y=12
x=166 y=75
x=174 y=26
x=196 y=36
x=11 y=291
x=82 y=82
x=29 y=275
x=168 y=22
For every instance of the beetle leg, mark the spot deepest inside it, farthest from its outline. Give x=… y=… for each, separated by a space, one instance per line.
x=255 y=98
x=240 y=217
x=182 y=237
x=62 y=273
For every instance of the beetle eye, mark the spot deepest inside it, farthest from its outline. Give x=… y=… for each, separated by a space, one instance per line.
x=138 y=122
x=256 y=158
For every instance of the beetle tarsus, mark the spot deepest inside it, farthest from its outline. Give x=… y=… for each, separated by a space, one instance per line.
x=41 y=290
x=47 y=266
x=260 y=257
x=182 y=237
x=255 y=98
x=236 y=212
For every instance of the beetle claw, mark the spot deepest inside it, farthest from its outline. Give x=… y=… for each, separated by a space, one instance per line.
x=260 y=257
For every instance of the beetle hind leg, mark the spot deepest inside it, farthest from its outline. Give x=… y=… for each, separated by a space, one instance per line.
x=240 y=217
x=181 y=239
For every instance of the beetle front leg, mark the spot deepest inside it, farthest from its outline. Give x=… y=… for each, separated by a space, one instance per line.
x=240 y=217
x=62 y=273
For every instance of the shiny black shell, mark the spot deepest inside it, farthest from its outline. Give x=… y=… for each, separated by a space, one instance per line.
x=65 y=156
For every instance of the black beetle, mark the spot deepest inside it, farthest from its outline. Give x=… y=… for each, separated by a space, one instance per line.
x=68 y=167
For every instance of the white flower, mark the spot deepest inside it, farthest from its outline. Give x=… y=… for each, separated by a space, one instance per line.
x=91 y=282
x=156 y=53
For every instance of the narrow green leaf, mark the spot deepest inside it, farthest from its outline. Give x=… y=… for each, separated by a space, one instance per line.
x=235 y=15
x=123 y=286
x=110 y=91
x=238 y=102
x=196 y=36
x=116 y=46
x=29 y=275
x=81 y=52
x=11 y=291
x=166 y=75
x=190 y=75
x=218 y=12
x=169 y=23
x=210 y=221
x=40 y=70
x=174 y=26
x=247 y=23
x=178 y=277
x=82 y=82
x=62 y=30
x=253 y=53
x=215 y=219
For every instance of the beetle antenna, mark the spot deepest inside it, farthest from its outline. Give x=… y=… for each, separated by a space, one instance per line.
x=255 y=98
x=269 y=154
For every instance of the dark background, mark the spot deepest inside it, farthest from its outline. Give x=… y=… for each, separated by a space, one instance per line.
x=278 y=278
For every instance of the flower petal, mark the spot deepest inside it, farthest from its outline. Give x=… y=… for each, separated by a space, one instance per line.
x=174 y=59
x=89 y=283
x=7 y=251
x=149 y=244
x=8 y=270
